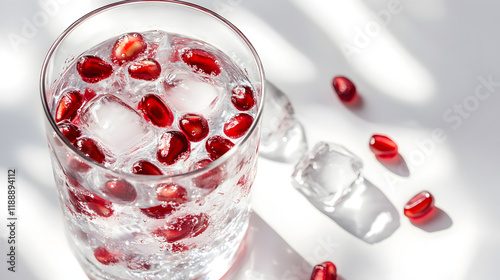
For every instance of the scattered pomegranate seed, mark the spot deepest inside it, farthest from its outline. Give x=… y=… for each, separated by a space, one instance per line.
x=144 y=167
x=420 y=205
x=383 y=147
x=90 y=149
x=324 y=271
x=201 y=61
x=88 y=203
x=147 y=69
x=88 y=94
x=194 y=126
x=217 y=146
x=106 y=257
x=238 y=125
x=242 y=98
x=127 y=48
x=183 y=227
x=171 y=192
x=209 y=180
x=68 y=105
x=93 y=69
x=344 y=88
x=173 y=147
x=70 y=131
x=155 y=111
x=160 y=211
x=120 y=189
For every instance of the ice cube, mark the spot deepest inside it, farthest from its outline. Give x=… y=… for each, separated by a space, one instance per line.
x=186 y=92
x=283 y=138
x=330 y=178
x=115 y=125
x=327 y=174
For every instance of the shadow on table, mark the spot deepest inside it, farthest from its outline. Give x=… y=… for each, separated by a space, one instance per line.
x=267 y=256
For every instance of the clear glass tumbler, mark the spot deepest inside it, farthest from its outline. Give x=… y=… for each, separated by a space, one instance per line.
x=112 y=238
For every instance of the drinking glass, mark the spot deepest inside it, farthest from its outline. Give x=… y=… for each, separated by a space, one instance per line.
x=112 y=238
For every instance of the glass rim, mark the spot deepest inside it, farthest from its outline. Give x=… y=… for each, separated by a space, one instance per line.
x=212 y=165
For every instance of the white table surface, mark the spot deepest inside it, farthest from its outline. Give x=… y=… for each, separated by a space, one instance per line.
x=423 y=69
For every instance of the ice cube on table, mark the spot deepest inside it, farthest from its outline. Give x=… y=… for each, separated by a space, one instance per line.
x=190 y=94
x=283 y=138
x=115 y=125
x=327 y=174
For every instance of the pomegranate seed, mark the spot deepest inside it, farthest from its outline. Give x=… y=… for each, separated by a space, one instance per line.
x=138 y=263
x=183 y=227
x=88 y=203
x=147 y=69
x=68 y=105
x=324 y=271
x=238 y=125
x=155 y=111
x=383 y=147
x=89 y=94
x=173 y=147
x=217 y=146
x=209 y=180
x=70 y=131
x=178 y=248
x=242 y=98
x=201 y=61
x=93 y=69
x=171 y=192
x=194 y=126
x=160 y=211
x=344 y=88
x=127 y=48
x=120 y=189
x=144 y=167
x=90 y=149
x=106 y=257
x=419 y=205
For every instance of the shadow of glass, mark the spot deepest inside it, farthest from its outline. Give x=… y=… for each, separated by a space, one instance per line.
x=265 y=255
x=434 y=221
x=366 y=213
x=396 y=165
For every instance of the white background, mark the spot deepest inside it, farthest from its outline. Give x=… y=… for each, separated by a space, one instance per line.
x=414 y=69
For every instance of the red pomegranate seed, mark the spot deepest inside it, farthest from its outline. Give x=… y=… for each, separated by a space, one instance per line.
x=344 y=88
x=217 y=146
x=209 y=180
x=178 y=248
x=93 y=69
x=120 y=189
x=183 y=227
x=160 y=211
x=70 y=131
x=127 y=48
x=88 y=94
x=383 y=147
x=106 y=257
x=144 y=167
x=238 y=125
x=155 y=111
x=68 y=105
x=89 y=204
x=171 y=192
x=194 y=126
x=90 y=149
x=201 y=61
x=173 y=146
x=419 y=205
x=147 y=69
x=324 y=271
x=242 y=98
